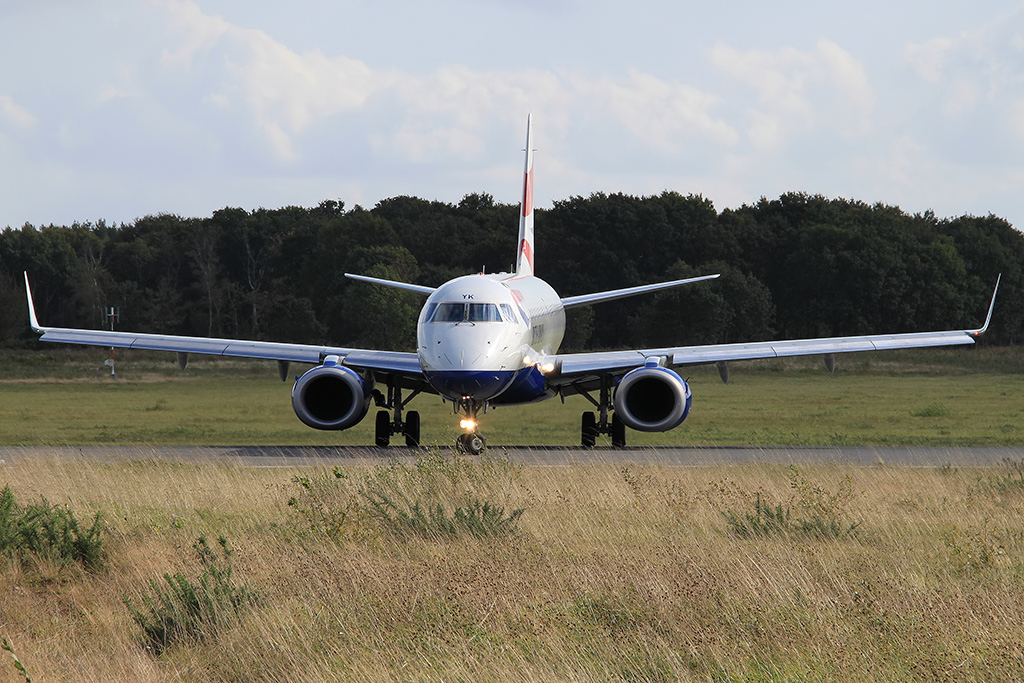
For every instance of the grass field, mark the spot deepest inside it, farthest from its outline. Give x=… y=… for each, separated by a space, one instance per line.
x=631 y=573
x=932 y=397
x=452 y=569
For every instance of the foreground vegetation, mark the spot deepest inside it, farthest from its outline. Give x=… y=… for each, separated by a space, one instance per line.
x=929 y=397
x=621 y=573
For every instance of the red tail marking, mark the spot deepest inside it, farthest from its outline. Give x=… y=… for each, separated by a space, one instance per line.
x=525 y=250
x=528 y=194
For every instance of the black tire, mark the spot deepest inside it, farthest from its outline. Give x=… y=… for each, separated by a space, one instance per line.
x=382 y=432
x=470 y=443
x=475 y=444
x=412 y=429
x=588 y=429
x=618 y=432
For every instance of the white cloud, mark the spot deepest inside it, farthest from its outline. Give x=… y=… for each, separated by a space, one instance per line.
x=899 y=165
x=14 y=112
x=421 y=143
x=286 y=91
x=853 y=93
x=203 y=30
x=765 y=130
x=928 y=60
x=963 y=96
x=1017 y=118
x=660 y=113
x=443 y=113
x=798 y=90
x=974 y=68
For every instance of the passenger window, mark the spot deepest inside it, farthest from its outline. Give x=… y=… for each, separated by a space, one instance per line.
x=448 y=313
x=484 y=313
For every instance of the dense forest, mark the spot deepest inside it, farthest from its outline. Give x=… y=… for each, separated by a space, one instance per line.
x=796 y=266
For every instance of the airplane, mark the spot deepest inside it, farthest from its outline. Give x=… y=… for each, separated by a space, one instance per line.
x=492 y=340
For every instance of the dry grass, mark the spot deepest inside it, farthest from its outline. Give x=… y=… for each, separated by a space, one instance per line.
x=615 y=573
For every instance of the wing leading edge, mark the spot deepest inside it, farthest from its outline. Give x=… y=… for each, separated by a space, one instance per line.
x=583 y=299
x=406 y=364
x=575 y=365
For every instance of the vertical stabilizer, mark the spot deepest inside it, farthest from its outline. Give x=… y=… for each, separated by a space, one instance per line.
x=524 y=262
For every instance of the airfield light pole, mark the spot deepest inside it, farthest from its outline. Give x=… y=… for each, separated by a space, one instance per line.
x=112 y=314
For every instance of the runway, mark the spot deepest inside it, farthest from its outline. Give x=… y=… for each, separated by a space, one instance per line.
x=681 y=456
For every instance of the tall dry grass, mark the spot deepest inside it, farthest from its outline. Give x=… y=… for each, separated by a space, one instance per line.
x=614 y=573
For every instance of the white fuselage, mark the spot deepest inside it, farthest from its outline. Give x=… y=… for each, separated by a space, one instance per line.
x=485 y=337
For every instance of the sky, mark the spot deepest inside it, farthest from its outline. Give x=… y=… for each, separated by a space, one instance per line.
x=118 y=109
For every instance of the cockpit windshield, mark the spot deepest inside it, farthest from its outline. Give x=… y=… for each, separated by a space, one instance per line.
x=449 y=313
x=484 y=313
x=474 y=313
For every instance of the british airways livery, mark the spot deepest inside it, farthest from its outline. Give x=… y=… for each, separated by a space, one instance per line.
x=486 y=340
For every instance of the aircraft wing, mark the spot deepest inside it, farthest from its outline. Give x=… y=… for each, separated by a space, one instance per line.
x=573 y=366
x=419 y=289
x=570 y=301
x=406 y=364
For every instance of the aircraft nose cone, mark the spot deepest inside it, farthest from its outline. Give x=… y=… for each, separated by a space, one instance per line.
x=478 y=384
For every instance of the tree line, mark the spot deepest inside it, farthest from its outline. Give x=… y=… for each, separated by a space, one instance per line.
x=797 y=266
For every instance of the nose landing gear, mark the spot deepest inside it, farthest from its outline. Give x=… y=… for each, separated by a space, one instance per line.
x=470 y=441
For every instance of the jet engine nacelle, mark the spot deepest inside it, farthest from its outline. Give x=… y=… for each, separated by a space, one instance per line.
x=652 y=399
x=331 y=396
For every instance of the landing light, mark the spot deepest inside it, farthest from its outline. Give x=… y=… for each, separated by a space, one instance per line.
x=468 y=424
x=547 y=367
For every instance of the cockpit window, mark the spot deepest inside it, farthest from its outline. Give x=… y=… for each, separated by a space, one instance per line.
x=508 y=313
x=484 y=313
x=449 y=313
x=474 y=313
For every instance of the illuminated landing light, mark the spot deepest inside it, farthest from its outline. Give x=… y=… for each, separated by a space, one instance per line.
x=527 y=360
x=467 y=424
x=547 y=367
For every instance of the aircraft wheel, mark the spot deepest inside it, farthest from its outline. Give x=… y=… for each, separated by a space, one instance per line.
x=588 y=430
x=382 y=432
x=618 y=432
x=471 y=443
x=412 y=429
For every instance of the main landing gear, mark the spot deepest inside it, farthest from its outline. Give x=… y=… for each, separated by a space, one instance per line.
x=470 y=441
x=388 y=424
x=591 y=426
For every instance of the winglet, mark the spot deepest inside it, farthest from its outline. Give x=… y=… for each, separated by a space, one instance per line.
x=988 y=318
x=32 y=320
x=524 y=262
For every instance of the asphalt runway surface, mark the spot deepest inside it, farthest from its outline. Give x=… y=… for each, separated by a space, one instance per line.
x=681 y=456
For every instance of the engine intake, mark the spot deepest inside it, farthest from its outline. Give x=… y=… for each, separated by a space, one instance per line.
x=652 y=399
x=331 y=396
